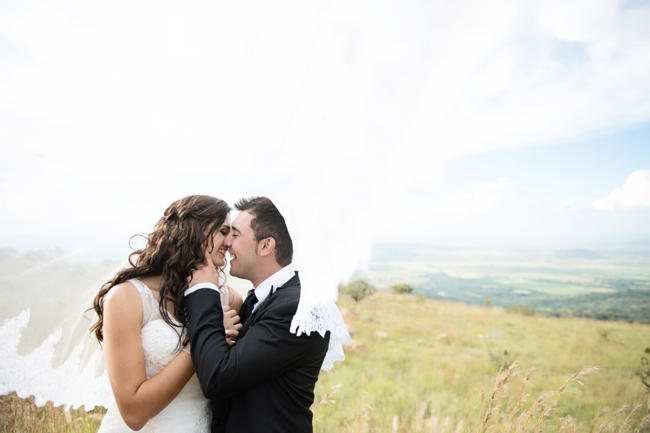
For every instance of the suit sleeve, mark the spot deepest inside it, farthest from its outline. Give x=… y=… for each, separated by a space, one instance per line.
x=266 y=351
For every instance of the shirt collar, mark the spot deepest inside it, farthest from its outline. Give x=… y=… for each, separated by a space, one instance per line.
x=276 y=280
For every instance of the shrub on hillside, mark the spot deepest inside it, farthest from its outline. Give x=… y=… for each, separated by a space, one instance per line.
x=402 y=288
x=358 y=289
x=521 y=309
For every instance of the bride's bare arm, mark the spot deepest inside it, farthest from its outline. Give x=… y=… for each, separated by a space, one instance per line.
x=137 y=397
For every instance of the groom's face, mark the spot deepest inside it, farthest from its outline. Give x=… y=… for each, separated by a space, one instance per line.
x=242 y=246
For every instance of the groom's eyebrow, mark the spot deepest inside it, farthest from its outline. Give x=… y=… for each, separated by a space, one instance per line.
x=235 y=229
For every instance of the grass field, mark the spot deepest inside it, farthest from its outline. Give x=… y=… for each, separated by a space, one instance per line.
x=419 y=365
x=419 y=359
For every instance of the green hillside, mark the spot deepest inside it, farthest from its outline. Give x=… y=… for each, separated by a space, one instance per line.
x=424 y=365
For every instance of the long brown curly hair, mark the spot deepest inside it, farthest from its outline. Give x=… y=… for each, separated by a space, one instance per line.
x=173 y=250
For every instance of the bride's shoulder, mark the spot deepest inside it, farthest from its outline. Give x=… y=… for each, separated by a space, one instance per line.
x=124 y=296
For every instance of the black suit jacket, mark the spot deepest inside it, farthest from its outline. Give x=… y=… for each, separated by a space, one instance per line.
x=269 y=375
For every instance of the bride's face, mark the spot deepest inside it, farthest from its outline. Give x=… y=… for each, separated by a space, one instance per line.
x=218 y=253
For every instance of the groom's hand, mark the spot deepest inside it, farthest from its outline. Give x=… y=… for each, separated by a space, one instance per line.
x=205 y=273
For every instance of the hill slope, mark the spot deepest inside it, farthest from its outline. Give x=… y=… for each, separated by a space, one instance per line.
x=421 y=365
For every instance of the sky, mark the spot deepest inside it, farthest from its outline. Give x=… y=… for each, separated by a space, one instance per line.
x=469 y=123
x=592 y=192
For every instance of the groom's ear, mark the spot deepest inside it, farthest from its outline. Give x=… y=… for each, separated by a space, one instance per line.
x=266 y=247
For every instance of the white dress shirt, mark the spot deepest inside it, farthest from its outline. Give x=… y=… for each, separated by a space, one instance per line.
x=272 y=283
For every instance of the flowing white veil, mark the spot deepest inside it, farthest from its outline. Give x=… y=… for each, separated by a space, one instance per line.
x=321 y=271
x=46 y=348
x=341 y=112
x=305 y=112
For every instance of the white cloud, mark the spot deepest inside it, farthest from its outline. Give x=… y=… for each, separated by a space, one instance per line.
x=484 y=197
x=634 y=193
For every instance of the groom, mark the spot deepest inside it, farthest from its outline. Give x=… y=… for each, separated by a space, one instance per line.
x=270 y=374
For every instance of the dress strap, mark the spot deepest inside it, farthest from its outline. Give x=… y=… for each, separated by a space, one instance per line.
x=149 y=303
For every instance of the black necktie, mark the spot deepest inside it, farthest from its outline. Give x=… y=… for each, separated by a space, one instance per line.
x=247 y=306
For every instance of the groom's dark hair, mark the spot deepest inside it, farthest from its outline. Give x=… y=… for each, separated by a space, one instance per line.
x=267 y=222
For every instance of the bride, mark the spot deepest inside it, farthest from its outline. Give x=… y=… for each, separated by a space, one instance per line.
x=141 y=324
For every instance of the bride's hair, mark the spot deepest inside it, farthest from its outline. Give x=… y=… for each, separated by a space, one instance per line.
x=174 y=249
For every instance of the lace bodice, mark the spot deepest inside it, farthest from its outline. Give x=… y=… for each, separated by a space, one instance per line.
x=159 y=340
x=189 y=411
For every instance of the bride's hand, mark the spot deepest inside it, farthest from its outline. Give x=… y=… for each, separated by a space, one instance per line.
x=236 y=300
x=231 y=323
x=205 y=273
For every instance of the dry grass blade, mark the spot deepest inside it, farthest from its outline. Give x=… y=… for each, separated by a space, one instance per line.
x=598 y=416
x=622 y=426
x=499 y=385
x=419 y=416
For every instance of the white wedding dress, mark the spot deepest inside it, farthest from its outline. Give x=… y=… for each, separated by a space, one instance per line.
x=189 y=412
